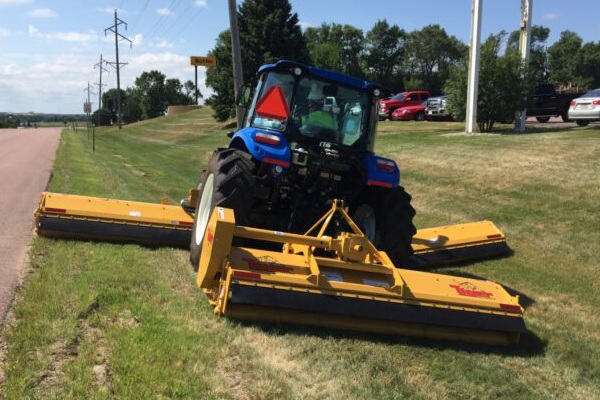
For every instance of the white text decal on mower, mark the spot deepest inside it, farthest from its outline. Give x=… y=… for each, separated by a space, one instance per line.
x=221 y=213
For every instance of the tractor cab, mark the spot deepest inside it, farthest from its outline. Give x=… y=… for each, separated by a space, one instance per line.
x=310 y=105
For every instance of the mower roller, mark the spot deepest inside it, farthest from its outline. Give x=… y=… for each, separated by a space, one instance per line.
x=344 y=282
x=85 y=217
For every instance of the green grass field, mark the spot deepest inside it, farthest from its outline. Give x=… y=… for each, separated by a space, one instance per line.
x=97 y=320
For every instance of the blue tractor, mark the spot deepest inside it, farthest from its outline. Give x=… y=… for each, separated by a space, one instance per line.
x=307 y=138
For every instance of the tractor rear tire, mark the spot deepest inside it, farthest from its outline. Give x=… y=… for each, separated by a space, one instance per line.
x=227 y=182
x=386 y=217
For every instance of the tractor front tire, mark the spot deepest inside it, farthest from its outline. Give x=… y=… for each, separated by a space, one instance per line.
x=386 y=217
x=227 y=182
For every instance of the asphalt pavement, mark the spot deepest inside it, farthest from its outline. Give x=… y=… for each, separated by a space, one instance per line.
x=26 y=157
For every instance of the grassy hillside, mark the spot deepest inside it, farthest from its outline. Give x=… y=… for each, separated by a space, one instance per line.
x=96 y=320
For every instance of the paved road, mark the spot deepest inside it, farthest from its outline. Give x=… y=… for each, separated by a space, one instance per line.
x=26 y=157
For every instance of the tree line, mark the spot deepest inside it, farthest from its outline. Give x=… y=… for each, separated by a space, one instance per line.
x=150 y=96
x=426 y=59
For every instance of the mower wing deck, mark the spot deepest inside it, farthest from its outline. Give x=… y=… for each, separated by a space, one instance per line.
x=84 y=217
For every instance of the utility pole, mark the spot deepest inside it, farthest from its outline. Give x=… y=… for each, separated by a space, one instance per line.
x=115 y=29
x=100 y=65
x=473 y=83
x=238 y=78
x=524 y=47
x=87 y=107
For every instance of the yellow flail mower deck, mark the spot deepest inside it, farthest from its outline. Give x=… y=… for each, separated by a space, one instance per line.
x=346 y=283
x=84 y=217
x=340 y=282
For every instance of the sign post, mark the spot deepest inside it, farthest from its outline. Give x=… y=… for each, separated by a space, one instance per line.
x=197 y=61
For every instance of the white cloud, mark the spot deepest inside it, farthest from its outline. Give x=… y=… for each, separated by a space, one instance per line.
x=24 y=78
x=63 y=36
x=4 y=32
x=163 y=44
x=163 y=12
x=42 y=13
x=159 y=61
x=24 y=82
x=551 y=16
x=137 y=39
x=8 y=2
x=110 y=10
x=201 y=3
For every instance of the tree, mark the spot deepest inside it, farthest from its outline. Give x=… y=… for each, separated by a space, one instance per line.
x=109 y=104
x=503 y=86
x=384 y=48
x=132 y=107
x=190 y=90
x=590 y=63
x=538 y=52
x=220 y=78
x=336 y=47
x=564 y=60
x=151 y=86
x=101 y=117
x=269 y=31
x=430 y=54
x=177 y=94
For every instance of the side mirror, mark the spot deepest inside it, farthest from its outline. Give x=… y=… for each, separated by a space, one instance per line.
x=244 y=96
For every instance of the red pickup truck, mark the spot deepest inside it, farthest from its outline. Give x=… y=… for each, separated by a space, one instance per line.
x=413 y=98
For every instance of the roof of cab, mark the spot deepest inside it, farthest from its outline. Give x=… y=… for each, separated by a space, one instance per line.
x=323 y=74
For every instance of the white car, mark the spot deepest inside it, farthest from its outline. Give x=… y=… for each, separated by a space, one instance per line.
x=586 y=109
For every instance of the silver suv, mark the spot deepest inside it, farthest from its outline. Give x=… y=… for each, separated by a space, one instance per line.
x=437 y=108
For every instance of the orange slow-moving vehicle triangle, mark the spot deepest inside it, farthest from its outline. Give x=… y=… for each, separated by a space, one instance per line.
x=273 y=104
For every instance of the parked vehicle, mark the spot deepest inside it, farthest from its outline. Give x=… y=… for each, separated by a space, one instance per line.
x=546 y=102
x=404 y=99
x=409 y=113
x=437 y=108
x=586 y=109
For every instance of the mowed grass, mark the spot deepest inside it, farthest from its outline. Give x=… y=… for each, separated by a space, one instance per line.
x=97 y=320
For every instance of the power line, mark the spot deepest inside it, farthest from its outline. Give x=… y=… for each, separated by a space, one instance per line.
x=140 y=14
x=166 y=28
x=176 y=22
x=159 y=23
x=186 y=26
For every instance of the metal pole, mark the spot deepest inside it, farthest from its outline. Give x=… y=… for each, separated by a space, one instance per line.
x=196 y=82
x=524 y=47
x=238 y=78
x=473 y=85
x=117 y=65
x=118 y=74
x=100 y=90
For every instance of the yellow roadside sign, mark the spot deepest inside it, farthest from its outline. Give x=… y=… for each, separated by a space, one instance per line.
x=203 y=61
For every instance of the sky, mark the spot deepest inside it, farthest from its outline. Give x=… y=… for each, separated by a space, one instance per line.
x=48 y=48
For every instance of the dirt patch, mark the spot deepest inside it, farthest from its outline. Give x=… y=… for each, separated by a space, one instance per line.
x=125 y=320
x=62 y=353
